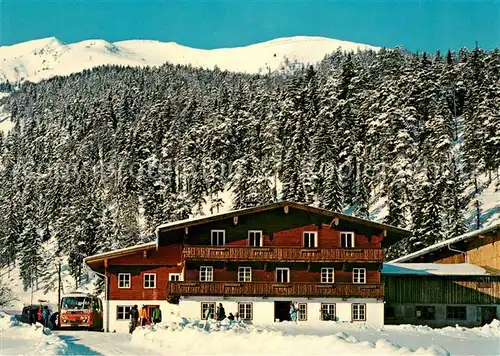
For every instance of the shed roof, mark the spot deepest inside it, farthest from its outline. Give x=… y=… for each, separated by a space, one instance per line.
x=435 y=269
x=446 y=243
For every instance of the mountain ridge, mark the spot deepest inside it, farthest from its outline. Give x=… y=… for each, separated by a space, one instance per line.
x=47 y=57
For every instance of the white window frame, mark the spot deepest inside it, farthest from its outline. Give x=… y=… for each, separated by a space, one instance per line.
x=261 y=238
x=360 y=310
x=120 y=286
x=329 y=306
x=207 y=305
x=315 y=241
x=245 y=311
x=359 y=275
x=149 y=282
x=245 y=272
x=122 y=310
x=302 y=314
x=351 y=236
x=328 y=271
x=211 y=274
x=212 y=237
x=287 y=274
x=178 y=275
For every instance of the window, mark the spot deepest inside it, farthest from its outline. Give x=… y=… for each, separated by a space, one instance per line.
x=328 y=312
x=327 y=275
x=255 y=238
x=456 y=313
x=283 y=275
x=309 y=239
x=358 y=312
x=149 y=280
x=123 y=312
x=347 y=239
x=123 y=280
x=425 y=312
x=174 y=277
x=245 y=311
x=218 y=237
x=302 y=311
x=207 y=308
x=389 y=312
x=359 y=275
x=206 y=274
x=244 y=274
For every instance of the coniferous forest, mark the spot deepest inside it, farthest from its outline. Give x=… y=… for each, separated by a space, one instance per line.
x=97 y=160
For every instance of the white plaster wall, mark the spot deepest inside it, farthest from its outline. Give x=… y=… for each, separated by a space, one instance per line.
x=263 y=309
x=168 y=312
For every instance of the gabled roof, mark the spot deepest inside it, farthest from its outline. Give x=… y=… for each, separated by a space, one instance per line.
x=446 y=243
x=206 y=219
x=99 y=258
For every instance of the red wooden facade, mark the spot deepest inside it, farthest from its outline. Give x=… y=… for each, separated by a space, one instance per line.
x=185 y=247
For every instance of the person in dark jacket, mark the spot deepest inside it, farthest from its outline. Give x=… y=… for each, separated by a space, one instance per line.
x=134 y=318
x=221 y=313
x=231 y=316
x=45 y=316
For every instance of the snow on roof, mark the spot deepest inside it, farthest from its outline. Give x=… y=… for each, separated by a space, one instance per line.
x=433 y=269
x=445 y=243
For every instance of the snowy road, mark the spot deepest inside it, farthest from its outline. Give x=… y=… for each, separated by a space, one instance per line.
x=83 y=342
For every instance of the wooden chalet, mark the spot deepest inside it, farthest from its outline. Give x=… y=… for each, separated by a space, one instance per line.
x=255 y=262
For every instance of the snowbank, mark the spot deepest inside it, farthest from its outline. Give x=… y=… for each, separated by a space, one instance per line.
x=488 y=330
x=23 y=339
x=191 y=337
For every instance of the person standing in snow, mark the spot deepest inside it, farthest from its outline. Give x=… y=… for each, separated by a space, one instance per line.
x=39 y=315
x=231 y=317
x=156 y=315
x=134 y=318
x=143 y=315
x=45 y=316
x=293 y=313
x=221 y=313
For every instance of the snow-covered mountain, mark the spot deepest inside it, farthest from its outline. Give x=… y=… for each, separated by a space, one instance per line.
x=44 y=58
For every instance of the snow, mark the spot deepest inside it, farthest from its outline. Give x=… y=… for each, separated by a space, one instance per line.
x=23 y=339
x=436 y=269
x=190 y=337
x=81 y=342
x=227 y=338
x=45 y=58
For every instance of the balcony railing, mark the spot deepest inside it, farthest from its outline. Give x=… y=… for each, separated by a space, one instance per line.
x=265 y=289
x=289 y=254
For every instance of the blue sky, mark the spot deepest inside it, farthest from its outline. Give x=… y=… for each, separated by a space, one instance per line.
x=417 y=25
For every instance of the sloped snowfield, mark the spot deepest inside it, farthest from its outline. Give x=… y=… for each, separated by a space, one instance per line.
x=23 y=339
x=192 y=337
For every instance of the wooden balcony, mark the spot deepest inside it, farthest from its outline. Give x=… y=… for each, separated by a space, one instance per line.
x=289 y=254
x=269 y=289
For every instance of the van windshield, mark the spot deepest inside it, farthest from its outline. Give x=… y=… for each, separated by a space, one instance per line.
x=76 y=303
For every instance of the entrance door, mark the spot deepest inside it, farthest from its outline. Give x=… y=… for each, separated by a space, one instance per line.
x=487 y=314
x=282 y=311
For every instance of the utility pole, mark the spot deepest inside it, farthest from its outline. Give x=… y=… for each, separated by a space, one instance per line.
x=59 y=283
x=31 y=282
